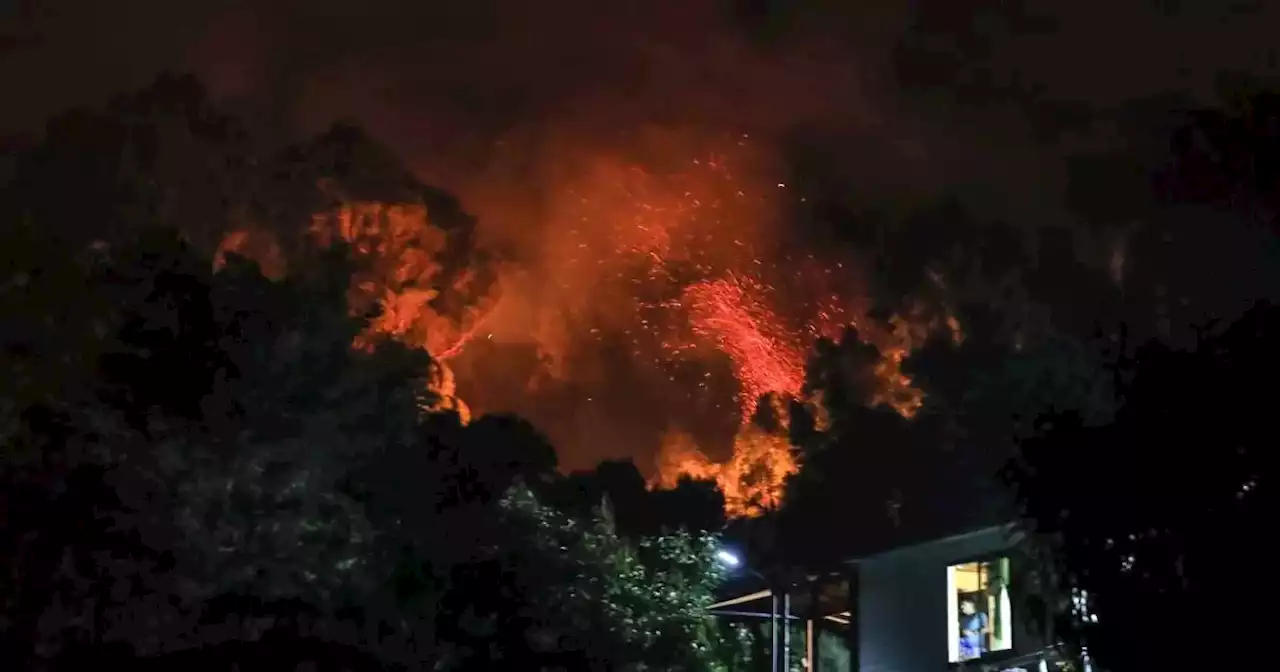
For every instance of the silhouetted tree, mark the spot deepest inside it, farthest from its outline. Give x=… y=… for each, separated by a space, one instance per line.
x=503 y=450
x=1158 y=515
x=861 y=457
x=212 y=427
x=1043 y=312
x=694 y=505
x=199 y=460
x=163 y=154
x=632 y=605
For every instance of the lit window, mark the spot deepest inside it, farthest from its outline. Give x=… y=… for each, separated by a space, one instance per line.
x=979 y=616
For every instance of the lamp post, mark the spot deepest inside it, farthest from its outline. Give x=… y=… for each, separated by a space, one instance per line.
x=786 y=628
x=732 y=561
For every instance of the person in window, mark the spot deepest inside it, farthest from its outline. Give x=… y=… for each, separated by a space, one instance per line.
x=973 y=631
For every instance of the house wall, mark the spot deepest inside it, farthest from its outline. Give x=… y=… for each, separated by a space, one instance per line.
x=902 y=603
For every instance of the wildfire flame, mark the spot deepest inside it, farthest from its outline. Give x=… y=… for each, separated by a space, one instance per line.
x=751 y=481
x=684 y=262
x=730 y=313
x=400 y=248
x=768 y=358
x=260 y=246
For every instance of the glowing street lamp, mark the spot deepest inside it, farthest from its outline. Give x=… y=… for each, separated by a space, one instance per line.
x=728 y=558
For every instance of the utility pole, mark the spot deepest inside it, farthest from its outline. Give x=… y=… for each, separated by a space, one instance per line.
x=773 y=632
x=810 y=646
x=815 y=586
x=786 y=630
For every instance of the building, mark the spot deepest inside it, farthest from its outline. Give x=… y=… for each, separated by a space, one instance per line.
x=950 y=603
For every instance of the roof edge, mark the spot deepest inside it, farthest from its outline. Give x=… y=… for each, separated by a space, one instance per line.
x=1010 y=529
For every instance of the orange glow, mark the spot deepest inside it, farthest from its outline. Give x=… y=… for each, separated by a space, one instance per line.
x=730 y=313
x=399 y=247
x=770 y=359
x=754 y=477
x=259 y=246
x=679 y=264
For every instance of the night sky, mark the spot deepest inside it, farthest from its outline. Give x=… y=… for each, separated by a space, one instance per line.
x=933 y=92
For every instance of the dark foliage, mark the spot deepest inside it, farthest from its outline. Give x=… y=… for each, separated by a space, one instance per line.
x=200 y=471
x=1159 y=515
x=637 y=510
x=1154 y=517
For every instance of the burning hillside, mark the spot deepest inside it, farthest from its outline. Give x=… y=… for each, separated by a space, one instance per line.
x=673 y=282
x=652 y=279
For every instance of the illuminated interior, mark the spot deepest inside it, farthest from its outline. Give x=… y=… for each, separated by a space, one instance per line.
x=979 y=615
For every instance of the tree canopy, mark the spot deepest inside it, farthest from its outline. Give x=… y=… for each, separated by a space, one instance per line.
x=197 y=459
x=1044 y=314
x=1156 y=512
x=1159 y=513
x=216 y=437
